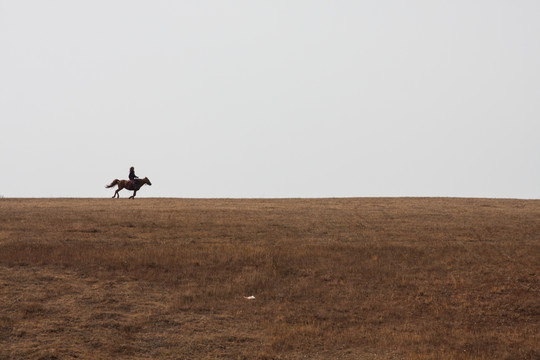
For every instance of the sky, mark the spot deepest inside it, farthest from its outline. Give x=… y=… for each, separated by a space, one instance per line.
x=264 y=99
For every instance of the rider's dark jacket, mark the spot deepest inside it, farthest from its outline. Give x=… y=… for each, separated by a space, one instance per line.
x=132 y=175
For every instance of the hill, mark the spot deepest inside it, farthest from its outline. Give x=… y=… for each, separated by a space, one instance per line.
x=371 y=278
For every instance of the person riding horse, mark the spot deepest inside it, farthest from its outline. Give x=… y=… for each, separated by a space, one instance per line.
x=134 y=183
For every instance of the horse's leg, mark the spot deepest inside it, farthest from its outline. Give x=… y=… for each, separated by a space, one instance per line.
x=116 y=194
x=133 y=196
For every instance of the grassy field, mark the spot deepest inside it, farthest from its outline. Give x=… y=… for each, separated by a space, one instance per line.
x=364 y=278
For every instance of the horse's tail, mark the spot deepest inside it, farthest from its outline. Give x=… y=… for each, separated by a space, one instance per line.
x=115 y=182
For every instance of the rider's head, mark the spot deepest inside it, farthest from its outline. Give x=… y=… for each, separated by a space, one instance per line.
x=132 y=168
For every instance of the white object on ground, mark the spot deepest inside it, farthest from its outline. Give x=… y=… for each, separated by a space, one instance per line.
x=249 y=297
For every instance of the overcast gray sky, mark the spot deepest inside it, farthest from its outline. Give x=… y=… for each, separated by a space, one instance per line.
x=270 y=98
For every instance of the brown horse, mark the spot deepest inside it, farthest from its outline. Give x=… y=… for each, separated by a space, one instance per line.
x=129 y=185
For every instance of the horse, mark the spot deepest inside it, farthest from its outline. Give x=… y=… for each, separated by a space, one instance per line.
x=134 y=185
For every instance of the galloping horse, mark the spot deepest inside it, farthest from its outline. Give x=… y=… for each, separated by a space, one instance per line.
x=129 y=185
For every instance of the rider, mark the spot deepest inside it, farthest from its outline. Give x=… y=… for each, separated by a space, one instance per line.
x=132 y=175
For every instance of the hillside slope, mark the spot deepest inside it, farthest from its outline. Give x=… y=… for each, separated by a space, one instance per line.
x=374 y=278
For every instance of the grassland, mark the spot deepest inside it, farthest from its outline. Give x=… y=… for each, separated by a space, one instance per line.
x=404 y=278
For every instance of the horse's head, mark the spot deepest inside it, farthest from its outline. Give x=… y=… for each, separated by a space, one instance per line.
x=147 y=181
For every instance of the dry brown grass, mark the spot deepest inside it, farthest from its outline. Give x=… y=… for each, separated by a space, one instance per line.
x=333 y=278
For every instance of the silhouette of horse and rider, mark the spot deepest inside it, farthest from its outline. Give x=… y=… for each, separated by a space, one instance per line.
x=134 y=184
